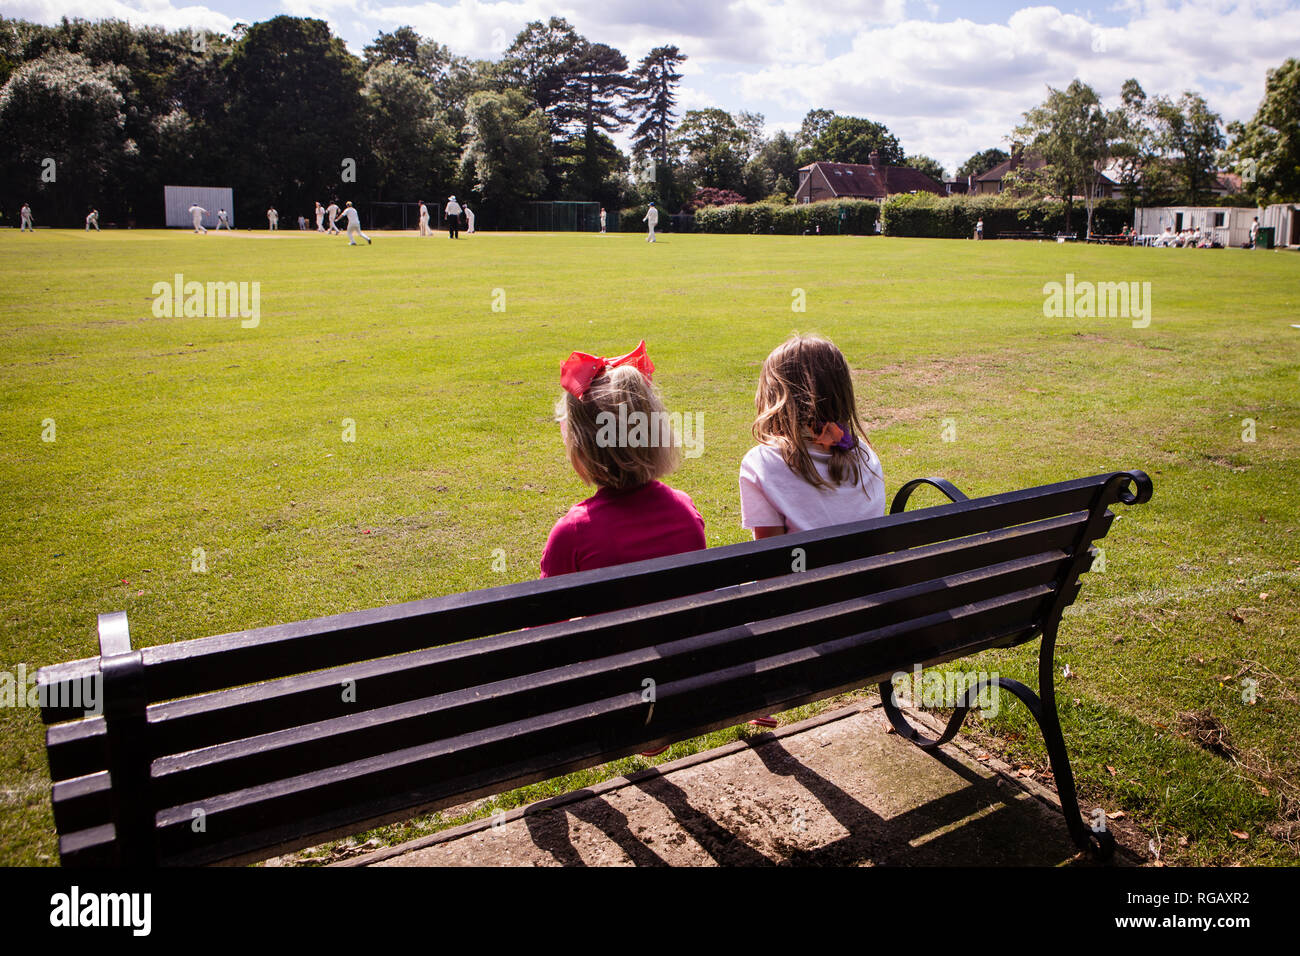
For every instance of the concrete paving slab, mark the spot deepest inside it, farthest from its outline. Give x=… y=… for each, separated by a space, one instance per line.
x=834 y=790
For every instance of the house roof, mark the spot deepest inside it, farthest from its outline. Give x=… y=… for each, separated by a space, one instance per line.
x=1031 y=163
x=1224 y=180
x=999 y=172
x=861 y=180
x=1229 y=182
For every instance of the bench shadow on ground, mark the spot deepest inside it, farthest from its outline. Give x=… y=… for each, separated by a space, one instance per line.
x=989 y=821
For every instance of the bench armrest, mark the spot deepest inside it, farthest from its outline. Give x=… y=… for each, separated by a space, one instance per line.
x=905 y=492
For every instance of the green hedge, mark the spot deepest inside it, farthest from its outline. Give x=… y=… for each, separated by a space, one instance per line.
x=630 y=220
x=923 y=215
x=953 y=217
x=858 y=218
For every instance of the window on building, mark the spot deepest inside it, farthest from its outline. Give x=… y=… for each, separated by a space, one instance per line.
x=1218 y=218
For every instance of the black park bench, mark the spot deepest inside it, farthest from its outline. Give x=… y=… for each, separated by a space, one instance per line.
x=233 y=748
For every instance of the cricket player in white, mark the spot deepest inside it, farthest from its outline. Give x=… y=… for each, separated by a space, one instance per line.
x=354 y=225
x=469 y=219
x=602 y=219
x=25 y=218
x=93 y=220
x=453 y=216
x=222 y=220
x=320 y=217
x=273 y=219
x=197 y=213
x=332 y=211
x=424 y=220
x=652 y=217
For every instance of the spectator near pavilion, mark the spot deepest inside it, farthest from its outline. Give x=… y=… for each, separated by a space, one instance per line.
x=818 y=181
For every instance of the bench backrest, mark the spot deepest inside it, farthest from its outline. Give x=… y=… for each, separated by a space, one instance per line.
x=234 y=747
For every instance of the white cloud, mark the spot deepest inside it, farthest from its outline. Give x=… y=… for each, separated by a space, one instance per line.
x=946 y=89
x=143 y=12
x=951 y=89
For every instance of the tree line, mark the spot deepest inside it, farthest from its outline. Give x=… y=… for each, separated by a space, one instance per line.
x=104 y=113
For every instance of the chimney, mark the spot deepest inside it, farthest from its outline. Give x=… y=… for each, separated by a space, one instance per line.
x=1016 y=157
x=875 y=157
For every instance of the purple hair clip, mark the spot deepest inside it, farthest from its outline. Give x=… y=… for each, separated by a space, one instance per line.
x=836 y=435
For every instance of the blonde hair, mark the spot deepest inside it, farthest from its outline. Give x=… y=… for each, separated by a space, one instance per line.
x=804 y=384
x=589 y=421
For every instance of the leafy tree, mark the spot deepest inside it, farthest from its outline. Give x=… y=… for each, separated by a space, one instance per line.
x=508 y=152
x=1268 y=147
x=852 y=139
x=716 y=148
x=813 y=126
x=774 y=170
x=63 y=108
x=752 y=124
x=981 y=163
x=413 y=149
x=1189 y=137
x=401 y=47
x=541 y=62
x=451 y=77
x=593 y=170
x=1073 y=135
x=297 y=113
x=928 y=165
x=592 y=104
x=712 y=197
x=653 y=103
x=1133 y=151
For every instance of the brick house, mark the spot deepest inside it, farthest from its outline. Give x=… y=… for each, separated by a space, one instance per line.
x=819 y=181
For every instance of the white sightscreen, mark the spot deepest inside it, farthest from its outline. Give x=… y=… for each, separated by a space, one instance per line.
x=178 y=200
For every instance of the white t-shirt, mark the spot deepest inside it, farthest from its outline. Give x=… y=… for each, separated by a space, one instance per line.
x=453 y=209
x=772 y=494
x=354 y=221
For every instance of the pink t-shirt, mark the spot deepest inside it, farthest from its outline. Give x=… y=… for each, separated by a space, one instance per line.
x=615 y=527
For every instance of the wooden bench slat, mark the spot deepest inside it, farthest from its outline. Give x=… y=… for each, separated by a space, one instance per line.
x=485 y=747
x=244 y=763
x=683 y=708
x=212 y=663
x=79 y=748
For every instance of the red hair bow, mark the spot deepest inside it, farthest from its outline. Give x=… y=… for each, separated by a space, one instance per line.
x=579 y=370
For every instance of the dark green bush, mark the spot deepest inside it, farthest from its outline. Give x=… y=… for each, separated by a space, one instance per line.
x=953 y=217
x=858 y=218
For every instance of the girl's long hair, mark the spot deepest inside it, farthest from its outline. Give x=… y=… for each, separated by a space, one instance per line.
x=804 y=384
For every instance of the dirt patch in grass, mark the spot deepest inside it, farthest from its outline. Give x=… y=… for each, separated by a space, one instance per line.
x=1208 y=732
x=928 y=373
x=926 y=377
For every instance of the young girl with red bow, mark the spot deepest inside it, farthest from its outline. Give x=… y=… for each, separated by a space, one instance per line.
x=633 y=515
x=813 y=466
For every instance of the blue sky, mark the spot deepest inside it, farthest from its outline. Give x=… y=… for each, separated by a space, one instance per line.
x=948 y=78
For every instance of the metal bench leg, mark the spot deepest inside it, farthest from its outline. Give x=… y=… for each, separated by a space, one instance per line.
x=1100 y=844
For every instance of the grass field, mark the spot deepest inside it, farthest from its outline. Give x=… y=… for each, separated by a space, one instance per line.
x=177 y=434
